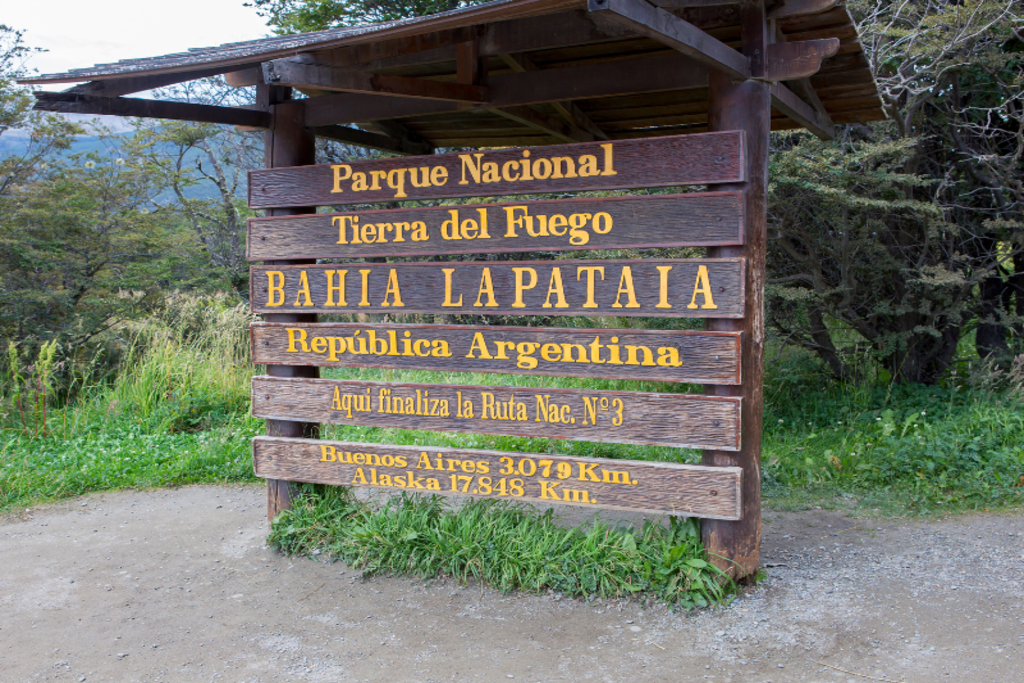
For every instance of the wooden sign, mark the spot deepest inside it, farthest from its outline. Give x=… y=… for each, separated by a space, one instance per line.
x=677 y=288
x=690 y=490
x=649 y=162
x=657 y=355
x=678 y=420
x=697 y=219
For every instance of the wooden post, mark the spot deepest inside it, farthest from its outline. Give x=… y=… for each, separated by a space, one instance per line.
x=746 y=106
x=287 y=143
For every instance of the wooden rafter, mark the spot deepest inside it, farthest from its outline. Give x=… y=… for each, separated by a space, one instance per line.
x=786 y=101
x=670 y=30
x=567 y=109
x=649 y=74
x=74 y=103
x=319 y=77
x=362 y=138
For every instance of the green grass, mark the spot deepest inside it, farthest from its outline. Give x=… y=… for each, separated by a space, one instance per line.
x=178 y=413
x=505 y=545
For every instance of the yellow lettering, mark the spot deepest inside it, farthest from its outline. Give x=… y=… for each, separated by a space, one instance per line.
x=275 y=288
x=472 y=165
x=393 y=290
x=663 y=272
x=448 y=289
x=297 y=335
x=555 y=287
x=702 y=286
x=340 y=289
x=303 y=290
x=486 y=287
x=626 y=287
x=479 y=345
x=589 y=270
x=338 y=177
x=521 y=286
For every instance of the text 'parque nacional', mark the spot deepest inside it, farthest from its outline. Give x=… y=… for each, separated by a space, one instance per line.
x=651 y=162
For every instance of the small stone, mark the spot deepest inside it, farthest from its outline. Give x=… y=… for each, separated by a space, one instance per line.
x=635 y=629
x=81 y=678
x=71 y=580
x=719 y=633
x=122 y=655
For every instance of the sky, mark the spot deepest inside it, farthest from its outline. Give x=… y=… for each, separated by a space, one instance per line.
x=78 y=34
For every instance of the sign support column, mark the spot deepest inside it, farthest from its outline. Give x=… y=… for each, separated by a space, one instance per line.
x=287 y=143
x=744 y=105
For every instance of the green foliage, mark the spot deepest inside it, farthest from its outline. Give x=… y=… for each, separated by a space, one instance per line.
x=905 y=237
x=303 y=16
x=176 y=413
x=508 y=546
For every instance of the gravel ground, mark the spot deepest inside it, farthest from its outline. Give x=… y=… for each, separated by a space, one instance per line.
x=177 y=585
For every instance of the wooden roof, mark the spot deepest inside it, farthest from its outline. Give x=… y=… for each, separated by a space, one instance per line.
x=517 y=72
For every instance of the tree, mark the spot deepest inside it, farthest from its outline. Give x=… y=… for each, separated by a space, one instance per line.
x=303 y=16
x=901 y=238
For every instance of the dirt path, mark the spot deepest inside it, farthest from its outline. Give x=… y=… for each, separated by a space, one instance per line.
x=178 y=586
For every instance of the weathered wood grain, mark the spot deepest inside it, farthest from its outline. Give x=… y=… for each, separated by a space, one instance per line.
x=698 y=219
x=677 y=420
x=656 y=355
x=648 y=162
x=670 y=288
x=631 y=485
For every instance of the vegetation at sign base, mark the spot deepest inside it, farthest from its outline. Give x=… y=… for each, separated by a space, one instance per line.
x=505 y=545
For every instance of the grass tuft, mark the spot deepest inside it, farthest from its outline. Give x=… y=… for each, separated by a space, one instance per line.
x=505 y=545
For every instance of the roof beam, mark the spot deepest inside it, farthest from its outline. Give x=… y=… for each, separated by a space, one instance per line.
x=74 y=103
x=567 y=109
x=607 y=79
x=319 y=77
x=814 y=119
x=133 y=84
x=564 y=29
x=670 y=30
x=548 y=124
x=362 y=138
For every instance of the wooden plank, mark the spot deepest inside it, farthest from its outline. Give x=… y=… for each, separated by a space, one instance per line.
x=302 y=75
x=684 y=220
x=73 y=103
x=793 y=61
x=668 y=288
x=801 y=8
x=659 y=73
x=678 y=34
x=362 y=138
x=654 y=162
x=628 y=485
x=677 y=420
x=655 y=355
